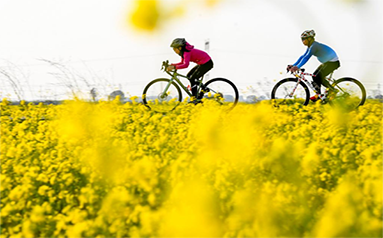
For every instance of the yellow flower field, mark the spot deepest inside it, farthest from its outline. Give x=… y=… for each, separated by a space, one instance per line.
x=120 y=170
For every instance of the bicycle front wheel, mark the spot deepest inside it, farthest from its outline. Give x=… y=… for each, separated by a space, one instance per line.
x=351 y=95
x=222 y=91
x=289 y=91
x=162 y=95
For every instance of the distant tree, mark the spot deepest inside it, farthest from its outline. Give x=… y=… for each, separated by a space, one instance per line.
x=93 y=94
x=116 y=93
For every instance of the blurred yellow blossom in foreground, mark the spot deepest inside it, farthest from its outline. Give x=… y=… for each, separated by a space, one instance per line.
x=146 y=15
x=149 y=15
x=120 y=170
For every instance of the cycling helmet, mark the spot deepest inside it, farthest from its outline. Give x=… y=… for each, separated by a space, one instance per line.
x=307 y=34
x=179 y=42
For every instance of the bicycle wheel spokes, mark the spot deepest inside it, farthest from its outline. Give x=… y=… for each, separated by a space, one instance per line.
x=222 y=91
x=162 y=96
x=351 y=94
x=289 y=91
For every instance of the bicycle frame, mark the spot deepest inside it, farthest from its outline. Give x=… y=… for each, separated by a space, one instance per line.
x=174 y=77
x=168 y=89
x=301 y=77
x=338 y=91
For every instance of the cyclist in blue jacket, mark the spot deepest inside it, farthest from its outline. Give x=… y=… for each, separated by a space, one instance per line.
x=325 y=55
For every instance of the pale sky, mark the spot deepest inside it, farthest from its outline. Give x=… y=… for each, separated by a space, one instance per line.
x=251 y=42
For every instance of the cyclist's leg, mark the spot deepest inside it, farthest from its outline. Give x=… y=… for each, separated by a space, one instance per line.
x=200 y=71
x=317 y=78
x=327 y=69
x=191 y=78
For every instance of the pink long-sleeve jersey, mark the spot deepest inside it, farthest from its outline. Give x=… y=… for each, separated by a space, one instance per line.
x=193 y=55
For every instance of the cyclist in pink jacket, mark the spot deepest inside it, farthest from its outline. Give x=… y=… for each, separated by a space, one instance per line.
x=190 y=54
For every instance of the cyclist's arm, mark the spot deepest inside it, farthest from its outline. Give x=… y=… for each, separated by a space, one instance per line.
x=304 y=58
x=184 y=63
x=300 y=58
x=175 y=64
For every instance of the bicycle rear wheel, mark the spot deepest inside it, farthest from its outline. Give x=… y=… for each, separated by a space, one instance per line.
x=222 y=91
x=160 y=99
x=351 y=95
x=289 y=91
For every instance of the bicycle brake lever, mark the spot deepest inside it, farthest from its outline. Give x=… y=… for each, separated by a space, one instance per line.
x=165 y=65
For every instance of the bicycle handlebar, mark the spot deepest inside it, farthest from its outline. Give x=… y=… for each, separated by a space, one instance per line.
x=301 y=71
x=165 y=65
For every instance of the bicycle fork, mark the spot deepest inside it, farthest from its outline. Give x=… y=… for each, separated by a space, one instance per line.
x=295 y=88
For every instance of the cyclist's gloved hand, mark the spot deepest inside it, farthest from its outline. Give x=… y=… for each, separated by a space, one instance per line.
x=294 y=69
x=289 y=67
x=170 y=67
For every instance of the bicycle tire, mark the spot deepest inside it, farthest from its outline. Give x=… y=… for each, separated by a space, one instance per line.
x=223 y=91
x=153 y=98
x=282 y=92
x=351 y=95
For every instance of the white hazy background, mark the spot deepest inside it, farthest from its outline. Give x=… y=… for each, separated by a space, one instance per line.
x=251 y=42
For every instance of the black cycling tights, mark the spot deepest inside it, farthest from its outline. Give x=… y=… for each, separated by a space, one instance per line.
x=321 y=72
x=197 y=72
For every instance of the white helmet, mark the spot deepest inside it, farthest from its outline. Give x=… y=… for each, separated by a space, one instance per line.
x=307 y=34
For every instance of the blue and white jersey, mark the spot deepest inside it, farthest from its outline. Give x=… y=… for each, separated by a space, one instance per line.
x=323 y=52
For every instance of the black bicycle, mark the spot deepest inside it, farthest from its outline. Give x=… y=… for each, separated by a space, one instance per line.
x=163 y=94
